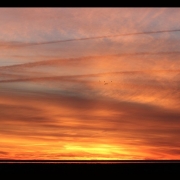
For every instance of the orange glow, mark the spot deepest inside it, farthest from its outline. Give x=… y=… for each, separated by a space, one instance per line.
x=65 y=134
x=67 y=95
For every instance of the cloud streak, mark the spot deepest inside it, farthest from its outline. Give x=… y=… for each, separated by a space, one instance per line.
x=91 y=121
x=104 y=85
x=93 y=38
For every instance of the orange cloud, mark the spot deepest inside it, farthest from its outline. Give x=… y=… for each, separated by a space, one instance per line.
x=81 y=125
x=105 y=98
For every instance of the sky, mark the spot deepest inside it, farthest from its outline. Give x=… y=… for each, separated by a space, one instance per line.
x=90 y=83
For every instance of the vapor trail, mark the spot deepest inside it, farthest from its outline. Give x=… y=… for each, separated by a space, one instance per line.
x=74 y=77
x=98 y=37
x=54 y=61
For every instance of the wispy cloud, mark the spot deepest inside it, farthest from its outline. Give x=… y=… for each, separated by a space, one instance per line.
x=93 y=121
x=15 y=44
x=104 y=85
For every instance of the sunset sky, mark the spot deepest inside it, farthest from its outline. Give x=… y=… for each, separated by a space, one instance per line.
x=90 y=83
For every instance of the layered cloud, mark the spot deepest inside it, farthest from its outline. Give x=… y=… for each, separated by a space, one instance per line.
x=56 y=124
x=71 y=89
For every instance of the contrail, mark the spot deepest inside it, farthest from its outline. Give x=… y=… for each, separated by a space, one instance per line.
x=69 y=60
x=98 y=37
x=74 y=78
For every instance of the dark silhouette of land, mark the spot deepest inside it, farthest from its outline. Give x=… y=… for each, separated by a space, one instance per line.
x=88 y=168
x=90 y=161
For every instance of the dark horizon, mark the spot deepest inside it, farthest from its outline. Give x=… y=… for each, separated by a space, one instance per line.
x=89 y=85
x=115 y=161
